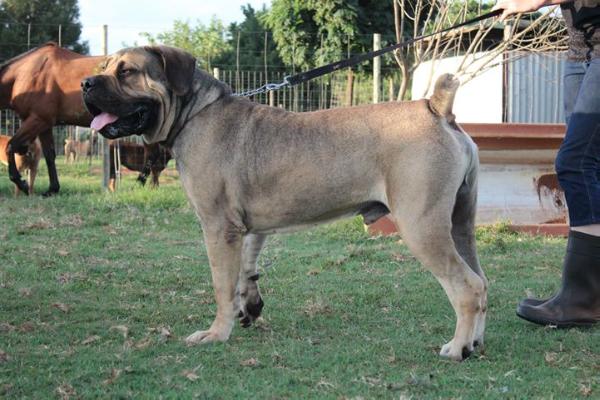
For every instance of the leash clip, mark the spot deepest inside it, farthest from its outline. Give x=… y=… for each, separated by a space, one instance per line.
x=265 y=88
x=275 y=86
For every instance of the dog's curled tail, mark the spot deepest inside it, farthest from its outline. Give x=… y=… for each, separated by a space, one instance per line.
x=442 y=99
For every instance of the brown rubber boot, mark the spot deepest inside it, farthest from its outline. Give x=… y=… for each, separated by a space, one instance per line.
x=578 y=301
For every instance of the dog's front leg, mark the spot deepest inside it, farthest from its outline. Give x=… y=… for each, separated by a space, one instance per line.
x=224 y=253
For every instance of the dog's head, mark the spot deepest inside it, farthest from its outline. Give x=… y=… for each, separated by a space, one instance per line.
x=139 y=92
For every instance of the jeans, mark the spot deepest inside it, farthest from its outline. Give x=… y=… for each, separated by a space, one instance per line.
x=578 y=160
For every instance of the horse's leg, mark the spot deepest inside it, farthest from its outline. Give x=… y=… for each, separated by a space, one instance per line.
x=151 y=156
x=155 y=174
x=15 y=147
x=50 y=156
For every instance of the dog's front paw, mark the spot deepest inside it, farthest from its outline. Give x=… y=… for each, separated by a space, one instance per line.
x=456 y=352
x=252 y=311
x=204 y=337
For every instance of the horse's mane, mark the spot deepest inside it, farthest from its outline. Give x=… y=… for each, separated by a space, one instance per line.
x=23 y=55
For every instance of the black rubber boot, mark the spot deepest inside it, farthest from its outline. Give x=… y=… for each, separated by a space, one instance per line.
x=578 y=301
x=531 y=302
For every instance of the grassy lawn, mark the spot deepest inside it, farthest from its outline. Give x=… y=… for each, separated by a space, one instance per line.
x=97 y=292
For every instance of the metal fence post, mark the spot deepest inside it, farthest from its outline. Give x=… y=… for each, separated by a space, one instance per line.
x=376 y=68
x=103 y=140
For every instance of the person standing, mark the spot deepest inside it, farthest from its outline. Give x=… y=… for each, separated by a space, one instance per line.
x=577 y=303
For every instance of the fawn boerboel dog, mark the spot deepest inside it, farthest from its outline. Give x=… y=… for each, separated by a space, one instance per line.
x=250 y=170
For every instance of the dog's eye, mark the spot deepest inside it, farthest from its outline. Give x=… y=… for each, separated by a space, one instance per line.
x=127 y=71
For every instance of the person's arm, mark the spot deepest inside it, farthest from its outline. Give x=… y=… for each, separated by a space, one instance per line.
x=511 y=7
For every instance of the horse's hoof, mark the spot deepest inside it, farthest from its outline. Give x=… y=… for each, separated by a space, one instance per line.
x=50 y=193
x=23 y=187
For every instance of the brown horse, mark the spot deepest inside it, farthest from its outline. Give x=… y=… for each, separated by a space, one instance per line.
x=43 y=87
x=146 y=159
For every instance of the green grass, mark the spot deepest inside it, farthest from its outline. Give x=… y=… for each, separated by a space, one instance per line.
x=97 y=292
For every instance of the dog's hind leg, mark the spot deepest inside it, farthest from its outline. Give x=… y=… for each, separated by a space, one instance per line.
x=463 y=234
x=18 y=144
x=426 y=229
x=224 y=246
x=31 y=178
x=251 y=302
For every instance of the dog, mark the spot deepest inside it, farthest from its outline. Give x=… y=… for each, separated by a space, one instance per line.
x=29 y=161
x=76 y=148
x=251 y=170
x=146 y=159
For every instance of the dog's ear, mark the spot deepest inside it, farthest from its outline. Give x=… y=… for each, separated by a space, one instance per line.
x=179 y=67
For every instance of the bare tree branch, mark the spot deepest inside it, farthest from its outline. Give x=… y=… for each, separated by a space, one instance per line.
x=480 y=47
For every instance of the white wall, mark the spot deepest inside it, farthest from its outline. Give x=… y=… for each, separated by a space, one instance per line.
x=508 y=192
x=479 y=100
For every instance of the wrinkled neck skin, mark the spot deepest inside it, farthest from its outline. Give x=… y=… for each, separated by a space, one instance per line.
x=182 y=109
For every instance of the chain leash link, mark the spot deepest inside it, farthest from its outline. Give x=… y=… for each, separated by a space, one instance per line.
x=265 y=88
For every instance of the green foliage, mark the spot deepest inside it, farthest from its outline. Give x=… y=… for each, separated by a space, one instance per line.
x=308 y=33
x=204 y=42
x=336 y=22
x=458 y=12
x=215 y=45
x=251 y=35
x=374 y=16
x=300 y=34
x=311 y=33
x=45 y=16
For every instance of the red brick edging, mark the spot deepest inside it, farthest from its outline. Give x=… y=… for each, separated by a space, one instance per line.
x=384 y=226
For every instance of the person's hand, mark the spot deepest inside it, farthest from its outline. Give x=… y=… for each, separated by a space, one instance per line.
x=512 y=7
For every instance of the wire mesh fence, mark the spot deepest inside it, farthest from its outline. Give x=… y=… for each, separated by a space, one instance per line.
x=341 y=88
x=10 y=123
x=335 y=90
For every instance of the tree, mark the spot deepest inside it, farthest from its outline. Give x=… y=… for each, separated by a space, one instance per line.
x=374 y=16
x=25 y=24
x=313 y=32
x=292 y=25
x=256 y=46
x=481 y=46
x=206 y=43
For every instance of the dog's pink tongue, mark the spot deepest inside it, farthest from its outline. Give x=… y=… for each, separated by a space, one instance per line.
x=102 y=119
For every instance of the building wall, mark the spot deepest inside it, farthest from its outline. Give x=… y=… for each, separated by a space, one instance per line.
x=479 y=100
x=511 y=193
x=515 y=190
x=533 y=92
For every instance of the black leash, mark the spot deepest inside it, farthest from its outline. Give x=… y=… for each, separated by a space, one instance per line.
x=335 y=66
